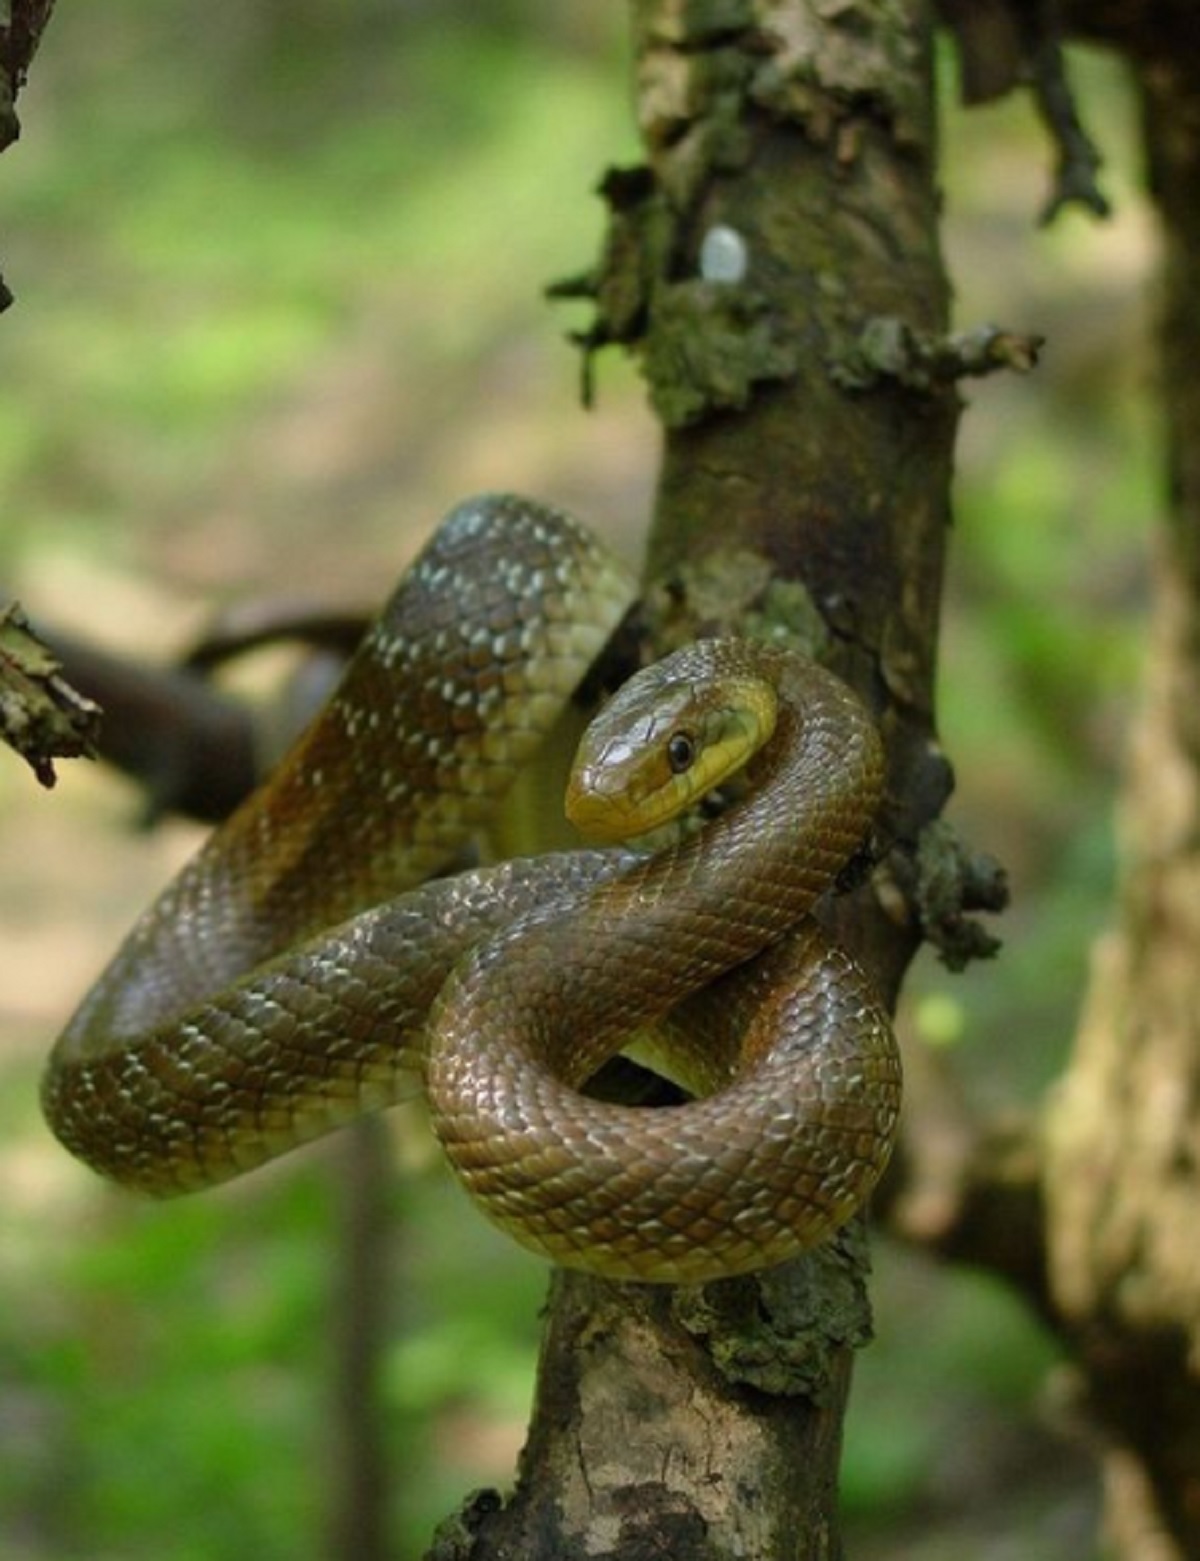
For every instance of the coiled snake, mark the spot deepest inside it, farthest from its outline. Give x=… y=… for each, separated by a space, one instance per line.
x=258 y=1004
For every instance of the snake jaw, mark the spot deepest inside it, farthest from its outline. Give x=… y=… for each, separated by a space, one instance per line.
x=656 y=749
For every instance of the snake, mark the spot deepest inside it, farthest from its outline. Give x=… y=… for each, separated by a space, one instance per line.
x=319 y=953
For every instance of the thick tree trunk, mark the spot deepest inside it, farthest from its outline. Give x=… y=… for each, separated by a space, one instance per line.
x=775 y=265
x=1123 y=1158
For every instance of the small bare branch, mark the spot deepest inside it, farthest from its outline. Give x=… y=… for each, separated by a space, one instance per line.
x=1079 y=160
x=888 y=348
x=1003 y=44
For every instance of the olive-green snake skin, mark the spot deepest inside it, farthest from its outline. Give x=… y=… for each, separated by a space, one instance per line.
x=283 y=984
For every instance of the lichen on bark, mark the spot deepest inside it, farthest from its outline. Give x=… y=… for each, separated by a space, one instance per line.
x=708 y=1423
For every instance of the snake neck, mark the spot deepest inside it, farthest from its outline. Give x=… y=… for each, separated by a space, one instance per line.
x=811 y=795
x=641 y=943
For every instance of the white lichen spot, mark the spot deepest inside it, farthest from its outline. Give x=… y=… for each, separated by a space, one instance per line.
x=724 y=256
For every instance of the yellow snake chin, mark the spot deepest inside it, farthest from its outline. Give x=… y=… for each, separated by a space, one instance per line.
x=657 y=749
x=712 y=939
x=292 y=977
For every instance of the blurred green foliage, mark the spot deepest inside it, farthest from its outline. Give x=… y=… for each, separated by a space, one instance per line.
x=209 y=201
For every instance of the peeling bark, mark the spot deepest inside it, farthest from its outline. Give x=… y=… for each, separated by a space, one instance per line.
x=788 y=201
x=814 y=144
x=43 y=717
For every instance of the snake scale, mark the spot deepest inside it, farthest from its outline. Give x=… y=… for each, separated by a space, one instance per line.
x=291 y=977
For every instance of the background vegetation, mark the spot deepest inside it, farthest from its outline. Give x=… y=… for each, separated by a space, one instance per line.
x=278 y=277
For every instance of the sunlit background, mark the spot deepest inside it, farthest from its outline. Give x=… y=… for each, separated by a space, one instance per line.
x=279 y=273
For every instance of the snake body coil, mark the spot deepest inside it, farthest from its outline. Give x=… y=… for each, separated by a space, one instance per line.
x=283 y=984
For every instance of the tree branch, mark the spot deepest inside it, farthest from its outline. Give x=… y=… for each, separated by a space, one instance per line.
x=42 y=716
x=788 y=198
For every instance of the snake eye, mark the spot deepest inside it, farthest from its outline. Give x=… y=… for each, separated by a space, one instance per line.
x=681 y=751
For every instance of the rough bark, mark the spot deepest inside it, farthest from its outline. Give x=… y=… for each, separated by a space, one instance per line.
x=21 y=26
x=775 y=266
x=43 y=717
x=1123 y=1144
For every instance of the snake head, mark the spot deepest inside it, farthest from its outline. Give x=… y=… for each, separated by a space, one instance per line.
x=670 y=735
